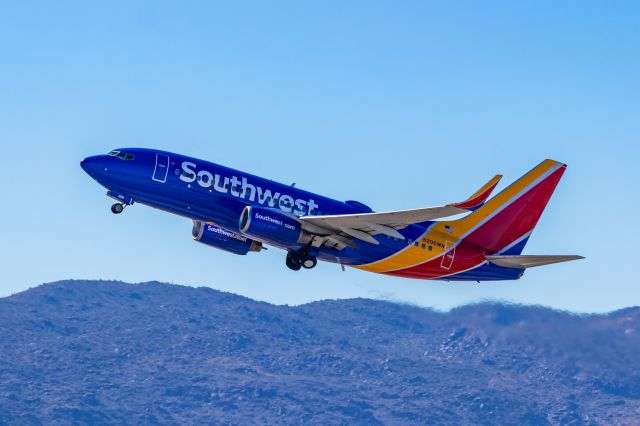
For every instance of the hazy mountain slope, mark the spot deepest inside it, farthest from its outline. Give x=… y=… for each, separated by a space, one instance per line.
x=96 y=351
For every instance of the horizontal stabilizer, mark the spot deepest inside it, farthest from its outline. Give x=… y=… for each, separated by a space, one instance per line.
x=528 y=261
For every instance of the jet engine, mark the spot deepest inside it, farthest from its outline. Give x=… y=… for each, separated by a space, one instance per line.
x=272 y=226
x=215 y=236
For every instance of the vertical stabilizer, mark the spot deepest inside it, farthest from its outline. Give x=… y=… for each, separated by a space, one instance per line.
x=503 y=223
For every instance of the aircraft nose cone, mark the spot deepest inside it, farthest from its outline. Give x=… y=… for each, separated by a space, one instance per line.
x=92 y=165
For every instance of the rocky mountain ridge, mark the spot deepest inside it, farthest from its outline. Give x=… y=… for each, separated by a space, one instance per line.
x=108 y=352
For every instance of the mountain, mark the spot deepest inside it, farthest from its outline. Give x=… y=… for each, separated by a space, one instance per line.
x=94 y=352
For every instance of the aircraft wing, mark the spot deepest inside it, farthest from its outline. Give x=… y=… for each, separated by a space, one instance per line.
x=363 y=225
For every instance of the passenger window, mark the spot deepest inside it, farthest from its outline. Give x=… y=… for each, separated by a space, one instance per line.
x=424 y=246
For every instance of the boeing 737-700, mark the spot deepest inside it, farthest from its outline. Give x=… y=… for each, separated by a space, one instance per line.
x=240 y=213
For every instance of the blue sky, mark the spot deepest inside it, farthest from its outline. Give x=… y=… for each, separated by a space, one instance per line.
x=397 y=104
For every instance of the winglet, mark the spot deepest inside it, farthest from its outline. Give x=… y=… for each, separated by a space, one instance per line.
x=480 y=196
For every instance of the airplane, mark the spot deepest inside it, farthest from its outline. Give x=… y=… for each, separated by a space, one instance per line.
x=240 y=213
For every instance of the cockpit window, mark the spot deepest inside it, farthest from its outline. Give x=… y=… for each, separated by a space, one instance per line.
x=122 y=155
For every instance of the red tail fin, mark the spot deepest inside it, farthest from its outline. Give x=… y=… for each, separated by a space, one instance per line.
x=513 y=213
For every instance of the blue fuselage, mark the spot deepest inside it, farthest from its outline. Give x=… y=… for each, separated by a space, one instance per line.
x=208 y=192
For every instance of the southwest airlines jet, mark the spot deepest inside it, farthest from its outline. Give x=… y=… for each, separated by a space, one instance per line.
x=240 y=213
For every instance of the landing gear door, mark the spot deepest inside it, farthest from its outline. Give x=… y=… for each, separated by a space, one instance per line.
x=161 y=169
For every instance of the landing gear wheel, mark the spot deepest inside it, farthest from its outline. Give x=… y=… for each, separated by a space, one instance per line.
x=293 y=262
x=117 y=208
x=309 y=262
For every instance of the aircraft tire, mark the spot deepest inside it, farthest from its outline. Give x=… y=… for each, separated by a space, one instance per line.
x=117 y=208
x=309 y=262
x=293 y=262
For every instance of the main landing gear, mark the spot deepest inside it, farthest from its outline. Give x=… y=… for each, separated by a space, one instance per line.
x=296 y=260
x=117 y=208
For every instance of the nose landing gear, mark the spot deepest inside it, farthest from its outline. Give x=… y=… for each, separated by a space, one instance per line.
x=296 y=260
x=123 y=201
x=117 y=208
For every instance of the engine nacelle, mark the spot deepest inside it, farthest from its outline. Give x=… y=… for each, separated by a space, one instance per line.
x=215 y=236
x=272 y=226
